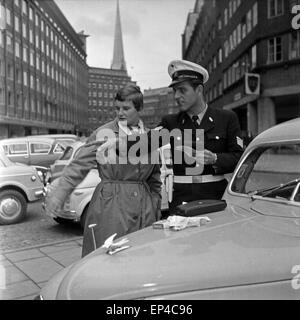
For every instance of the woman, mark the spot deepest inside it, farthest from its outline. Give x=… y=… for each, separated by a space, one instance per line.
x=128 y=196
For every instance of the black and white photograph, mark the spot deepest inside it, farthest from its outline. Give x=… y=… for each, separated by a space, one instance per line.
x=149 y=151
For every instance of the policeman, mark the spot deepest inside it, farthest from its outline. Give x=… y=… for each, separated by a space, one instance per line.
x=223 y=145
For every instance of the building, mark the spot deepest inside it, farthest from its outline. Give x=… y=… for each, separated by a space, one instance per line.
x=157 y=103
x=43 y=70
x=104 y=83
x=253 y=57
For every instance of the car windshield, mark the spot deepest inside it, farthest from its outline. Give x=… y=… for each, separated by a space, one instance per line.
x=269 y=171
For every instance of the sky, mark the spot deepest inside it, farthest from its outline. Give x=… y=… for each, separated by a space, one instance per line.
x=151 y=29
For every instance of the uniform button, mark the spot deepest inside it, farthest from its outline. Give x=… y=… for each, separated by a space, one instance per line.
x=178 y=138
x=217 y=137
x=137 y=170
x=197 y=165
x=198 y=139
x=135 y=193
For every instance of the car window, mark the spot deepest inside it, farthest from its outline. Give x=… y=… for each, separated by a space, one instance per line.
x=16 y=149
x=67 y=153
x=266 y=167
x=38 y=148
x=59 y=148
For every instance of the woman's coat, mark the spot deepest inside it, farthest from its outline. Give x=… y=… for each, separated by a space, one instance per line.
x=127 y=198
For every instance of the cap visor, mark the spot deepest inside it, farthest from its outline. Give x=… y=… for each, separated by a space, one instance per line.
x=173 y=83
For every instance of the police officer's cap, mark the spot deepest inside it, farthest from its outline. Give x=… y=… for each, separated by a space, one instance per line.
x=183 y=70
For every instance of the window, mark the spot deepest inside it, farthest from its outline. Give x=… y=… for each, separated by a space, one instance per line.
x=254 y=174
x=30 y=13
x=220 y=55
x=9 y=43
x=275 y=8
x=8 y=17
x=17 y=149
x=38 y=148
x=294 y=48
x=24 y=6
x=275 y=50
x=32 y=57
x=17 y=49
x=255 y=14
x=249 y=21
x=25 y=54
x=24 y=30
x=25 y=78
x=254 y=57
x=17 y=24
x=225 y=17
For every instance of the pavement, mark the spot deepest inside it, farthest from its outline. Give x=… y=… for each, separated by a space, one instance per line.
x=23 y=272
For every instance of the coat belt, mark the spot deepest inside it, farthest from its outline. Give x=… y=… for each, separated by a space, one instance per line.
x=198 y=179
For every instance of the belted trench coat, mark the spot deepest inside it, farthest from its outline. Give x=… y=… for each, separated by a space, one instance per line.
x=127 y=199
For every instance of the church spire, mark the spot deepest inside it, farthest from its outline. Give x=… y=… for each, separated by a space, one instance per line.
x=118 y=62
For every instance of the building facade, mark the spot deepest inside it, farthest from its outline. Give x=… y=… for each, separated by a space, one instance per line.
x=157 y=103
x=103 y=85
x=249 y=43
x=43 y=71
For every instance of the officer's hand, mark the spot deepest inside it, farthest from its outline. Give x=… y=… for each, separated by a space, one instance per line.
x=198 y=156
x=209 y=157
x=52 y=206
x=202 y=157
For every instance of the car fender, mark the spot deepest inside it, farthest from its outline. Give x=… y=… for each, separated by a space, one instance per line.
x=16 y=185
x=80 y=199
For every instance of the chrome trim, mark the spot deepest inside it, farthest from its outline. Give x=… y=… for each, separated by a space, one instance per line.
x=39 y=193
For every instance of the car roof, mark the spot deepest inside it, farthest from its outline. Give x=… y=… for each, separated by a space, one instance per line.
x=58 y=136
x=28 y=138
x=286 y=131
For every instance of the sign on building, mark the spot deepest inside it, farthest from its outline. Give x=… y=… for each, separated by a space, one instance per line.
x=252 y=83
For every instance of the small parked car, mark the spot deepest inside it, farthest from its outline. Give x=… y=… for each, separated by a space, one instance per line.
x=76 y=205
x=69 y=154
x=249 y=250
x=19 y=185
x=33 y=150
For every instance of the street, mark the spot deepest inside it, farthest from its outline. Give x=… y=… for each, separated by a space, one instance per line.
x=36 y=229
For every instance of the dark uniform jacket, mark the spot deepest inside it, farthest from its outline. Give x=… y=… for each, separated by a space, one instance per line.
x=221 y=136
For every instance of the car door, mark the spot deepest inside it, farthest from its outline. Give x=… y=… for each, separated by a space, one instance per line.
x=17 y=152
x=40 y=153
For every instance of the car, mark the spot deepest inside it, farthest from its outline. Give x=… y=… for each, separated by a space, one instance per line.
x=68 y=155
x=249 y=250
x=76 y=205
x=33 y=150
x=66 y=139
x=19 y=185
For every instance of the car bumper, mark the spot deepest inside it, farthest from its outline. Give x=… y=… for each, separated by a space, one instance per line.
x=69 y=215
x=35 y=194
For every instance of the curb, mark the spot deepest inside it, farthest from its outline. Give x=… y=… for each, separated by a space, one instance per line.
x=41 y=245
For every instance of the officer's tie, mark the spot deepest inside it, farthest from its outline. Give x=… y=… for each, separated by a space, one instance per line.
x=195 y=120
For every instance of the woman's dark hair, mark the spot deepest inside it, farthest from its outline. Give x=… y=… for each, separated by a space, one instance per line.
x=133 y=93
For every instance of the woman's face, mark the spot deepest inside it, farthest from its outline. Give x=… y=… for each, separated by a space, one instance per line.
x=127 y=113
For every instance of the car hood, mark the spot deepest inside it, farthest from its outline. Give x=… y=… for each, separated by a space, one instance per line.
x=237 y=247
x=15 y=168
